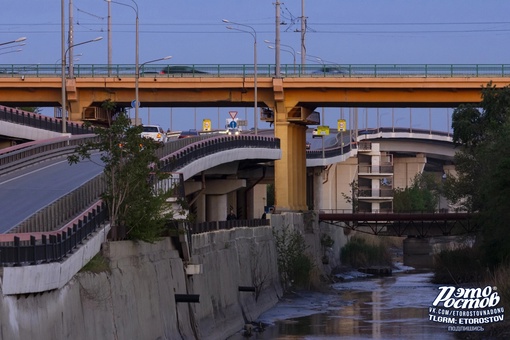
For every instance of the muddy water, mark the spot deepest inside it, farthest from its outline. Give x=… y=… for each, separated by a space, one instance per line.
x=393 y=307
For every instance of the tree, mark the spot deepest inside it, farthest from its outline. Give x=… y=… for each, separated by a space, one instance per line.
x=483 y=165
x=135 y=207
x=352 y=196
x=421 y=196
x=294 y=265
x=33 y=109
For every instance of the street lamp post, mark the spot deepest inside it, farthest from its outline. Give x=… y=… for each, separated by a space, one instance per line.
x=254 y=35
x=137 y=66
x=64 y=63
x=137 y=77
x=318 y=59
x=13 y=51
x=292 y=51
x=155 y=60
x=14 y=41
x=7 y=47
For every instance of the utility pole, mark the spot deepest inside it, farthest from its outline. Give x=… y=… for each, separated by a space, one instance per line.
x=277 y=40
x=63 y=43
x=109 y=37
x=71 y=40
x=303 y=32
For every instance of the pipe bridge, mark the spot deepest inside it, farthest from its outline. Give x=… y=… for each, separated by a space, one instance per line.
x=420 y=225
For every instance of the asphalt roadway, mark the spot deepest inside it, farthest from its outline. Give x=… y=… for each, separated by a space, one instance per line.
x=24 y=192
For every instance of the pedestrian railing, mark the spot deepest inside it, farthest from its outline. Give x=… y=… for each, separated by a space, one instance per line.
x=263 y=70
x=52 y=247
x=38 y=121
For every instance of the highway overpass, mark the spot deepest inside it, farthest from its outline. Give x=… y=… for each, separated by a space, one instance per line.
x=291 y=100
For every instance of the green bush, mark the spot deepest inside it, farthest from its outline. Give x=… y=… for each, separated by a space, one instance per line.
x=294 y=265
x=457 y=266
x=359 y=253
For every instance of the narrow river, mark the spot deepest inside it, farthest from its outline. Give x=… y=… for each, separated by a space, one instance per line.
x=394 y=307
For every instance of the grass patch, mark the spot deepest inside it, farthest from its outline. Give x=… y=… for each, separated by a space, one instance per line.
x=501 y=279
x=360 y=253
x=97 y=264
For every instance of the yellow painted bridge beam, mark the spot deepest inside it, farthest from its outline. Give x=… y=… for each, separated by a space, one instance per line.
x=291 y=100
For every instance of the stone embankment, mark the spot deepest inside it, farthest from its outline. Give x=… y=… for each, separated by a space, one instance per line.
x=232 y=273
x=135 y=299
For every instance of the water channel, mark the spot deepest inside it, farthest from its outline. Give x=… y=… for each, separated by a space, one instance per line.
x=394 y=307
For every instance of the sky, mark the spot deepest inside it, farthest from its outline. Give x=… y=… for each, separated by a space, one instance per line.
x=192 y=32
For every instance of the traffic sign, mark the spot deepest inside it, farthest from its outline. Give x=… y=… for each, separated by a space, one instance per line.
x=233 y=114
x=206 y=125
x=342 y=125
x=323 y=130
x=133 y=104
x=232 y=124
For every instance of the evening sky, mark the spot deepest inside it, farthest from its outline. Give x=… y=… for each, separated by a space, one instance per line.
x=192 y=32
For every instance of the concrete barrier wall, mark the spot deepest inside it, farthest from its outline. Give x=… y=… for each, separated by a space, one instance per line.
x=45 y=277
x=240 y=257
x=135 y=299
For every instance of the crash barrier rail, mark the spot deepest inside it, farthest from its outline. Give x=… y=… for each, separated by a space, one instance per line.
x=367 y=134
x=38 y=121
x=71 y=204
x=19 y=156
x=263 y=70
x=58 y=213
x=199 y=149
x=52 y=247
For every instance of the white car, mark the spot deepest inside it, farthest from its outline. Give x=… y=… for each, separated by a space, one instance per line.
x=234 y=132
x=155 y=132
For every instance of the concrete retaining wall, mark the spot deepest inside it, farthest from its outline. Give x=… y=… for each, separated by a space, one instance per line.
x=136 y=298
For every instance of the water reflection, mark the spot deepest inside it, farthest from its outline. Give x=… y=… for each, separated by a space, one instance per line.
x=379 y=308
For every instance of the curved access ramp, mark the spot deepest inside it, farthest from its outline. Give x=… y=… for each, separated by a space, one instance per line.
x=434 y=144
x=210 y=153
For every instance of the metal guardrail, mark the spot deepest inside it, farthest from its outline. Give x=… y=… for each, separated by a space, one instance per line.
x=365 y=145
x=38 y=121
x=201 y=148
x=52 y=247
x=64 y=209
x=263 y=70
x=19 y=156
x=68 y=206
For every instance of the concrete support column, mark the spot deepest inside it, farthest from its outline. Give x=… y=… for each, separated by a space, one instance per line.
x=257 y=198
x=290 y=171
x=405 y=169
x=201 y=208
x=217 y=207
x=318 y=187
